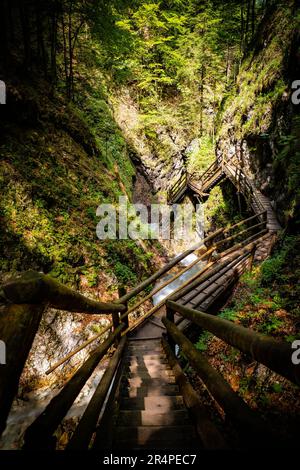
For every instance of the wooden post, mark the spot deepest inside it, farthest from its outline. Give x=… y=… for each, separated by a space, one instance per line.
x=122 y=293
x=252 y=256
x=239 y=201
x=18 y=327
x=170 y=316
x=116 y=323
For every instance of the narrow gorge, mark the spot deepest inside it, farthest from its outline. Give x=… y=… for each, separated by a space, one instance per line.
x=176 y=337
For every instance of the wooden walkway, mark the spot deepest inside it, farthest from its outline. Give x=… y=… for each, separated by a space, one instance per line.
x=144 y=399
x=216 y=173
x=258 y=201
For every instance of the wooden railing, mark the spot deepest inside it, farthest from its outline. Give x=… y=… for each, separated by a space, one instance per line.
x=207 y=177
x=178 y=188
x=228 y=167
x=274 y=354
x=243 y=184
x=23 y=302
x=26 y=298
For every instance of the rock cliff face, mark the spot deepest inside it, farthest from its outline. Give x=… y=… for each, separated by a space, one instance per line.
x=260 y=123
x=158 y=154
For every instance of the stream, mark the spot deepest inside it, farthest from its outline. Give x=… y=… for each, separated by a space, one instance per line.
x=165 y=291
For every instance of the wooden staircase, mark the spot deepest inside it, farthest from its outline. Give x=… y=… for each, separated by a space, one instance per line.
x=144 y=399
x=152 y=413
x=217 y=172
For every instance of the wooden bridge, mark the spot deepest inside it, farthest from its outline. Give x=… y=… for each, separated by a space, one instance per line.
x=217 y=172
x=144 y=399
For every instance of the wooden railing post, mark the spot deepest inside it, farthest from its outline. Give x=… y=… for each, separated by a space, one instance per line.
x=18 y=327
x=252 y=256
x=122 y=293
x=171 y=317
x=116 y=323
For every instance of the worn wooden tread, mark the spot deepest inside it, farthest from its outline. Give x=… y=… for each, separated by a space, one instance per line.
x=147 y=418
x=147 y=435
x=145 y=368
x=138 y=381
x=155 y=404
x=149 y=391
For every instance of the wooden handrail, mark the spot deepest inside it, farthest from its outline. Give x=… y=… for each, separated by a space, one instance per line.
x=249 y=423
x=194 y=280
x=244 y=221
x=273 y=354
x=159 y=273
x=238 y=234
x=37 y=288
x=140 y=287
x=85 y=429
x=40 y=433
x=247 y=244
x=211 y=438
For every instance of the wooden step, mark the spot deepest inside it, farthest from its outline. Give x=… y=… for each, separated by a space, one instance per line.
x=154 y=404
x=149 y=391
x=145 y=360
x=146 y=357
x=138 y=381
x=143 y=346
x=147 y=418
x=156 y=437
x=146 y=369
x=157 y=374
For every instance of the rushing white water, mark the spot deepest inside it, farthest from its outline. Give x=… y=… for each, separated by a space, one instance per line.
x=23 y=413
x=163 y=293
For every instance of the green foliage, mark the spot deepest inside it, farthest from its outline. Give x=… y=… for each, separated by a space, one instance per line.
x=199 y=160
x=228 y=314
x=201 y=345
x=277 y=388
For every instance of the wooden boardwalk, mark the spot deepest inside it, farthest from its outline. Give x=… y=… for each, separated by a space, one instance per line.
x=144 y=389
x=213 y=176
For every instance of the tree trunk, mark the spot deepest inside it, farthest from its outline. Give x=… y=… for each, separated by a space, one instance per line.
x=24 y=17
x=253 y=18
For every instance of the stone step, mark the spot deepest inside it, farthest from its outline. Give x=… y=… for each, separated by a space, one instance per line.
x=147 y=418
x=154 y=404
